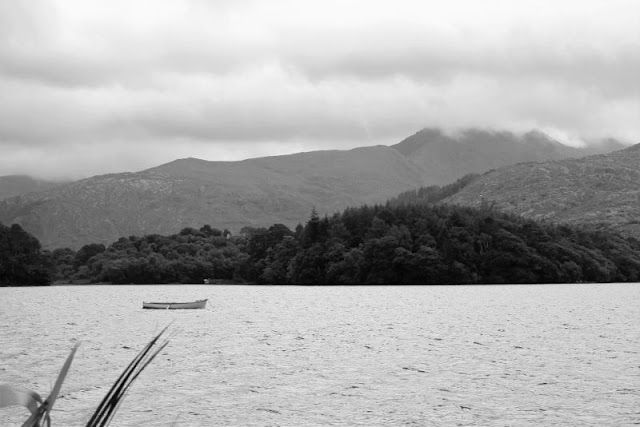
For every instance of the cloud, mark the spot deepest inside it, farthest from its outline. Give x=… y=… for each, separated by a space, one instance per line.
x=99 y=82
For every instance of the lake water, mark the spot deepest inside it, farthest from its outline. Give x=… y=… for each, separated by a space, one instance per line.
x=545 y=355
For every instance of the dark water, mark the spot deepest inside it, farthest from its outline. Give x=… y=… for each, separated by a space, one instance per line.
x=557 y=355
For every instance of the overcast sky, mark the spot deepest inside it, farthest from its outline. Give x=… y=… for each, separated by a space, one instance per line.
x=90 y=87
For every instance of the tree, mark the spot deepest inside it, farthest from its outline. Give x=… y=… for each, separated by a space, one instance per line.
x=86 y=252
x=23 y=263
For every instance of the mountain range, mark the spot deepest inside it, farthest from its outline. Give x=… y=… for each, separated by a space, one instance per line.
x=264 y=191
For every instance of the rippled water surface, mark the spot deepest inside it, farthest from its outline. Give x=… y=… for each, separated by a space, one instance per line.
x=557 y=355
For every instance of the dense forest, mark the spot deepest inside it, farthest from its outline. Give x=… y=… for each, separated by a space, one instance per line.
x=395 y=243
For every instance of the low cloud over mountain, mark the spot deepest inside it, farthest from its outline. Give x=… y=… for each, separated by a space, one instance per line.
x=92 y=87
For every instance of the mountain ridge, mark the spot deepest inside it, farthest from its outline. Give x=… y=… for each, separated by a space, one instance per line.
x=15 y=185
x=467 y=151
x=191 y=192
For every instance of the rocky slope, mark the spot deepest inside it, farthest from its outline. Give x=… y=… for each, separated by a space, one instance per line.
x=262 y=191
x=590 y=190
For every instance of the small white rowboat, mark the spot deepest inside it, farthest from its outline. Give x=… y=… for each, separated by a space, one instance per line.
x=175 y=305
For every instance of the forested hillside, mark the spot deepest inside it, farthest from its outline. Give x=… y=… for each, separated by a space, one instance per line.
x=433 y=193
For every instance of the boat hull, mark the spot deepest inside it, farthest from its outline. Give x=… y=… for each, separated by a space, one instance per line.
x=174 y=305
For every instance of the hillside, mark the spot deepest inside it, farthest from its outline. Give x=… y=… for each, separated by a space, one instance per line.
x=262 y=191
x=192 y=192
x=591 y=190
x=15 y=185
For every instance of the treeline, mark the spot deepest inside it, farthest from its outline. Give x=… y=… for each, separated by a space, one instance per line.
x=422 y=244
x=187 y=257
x=384 y=244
